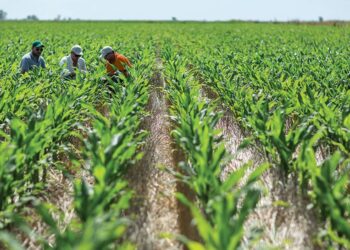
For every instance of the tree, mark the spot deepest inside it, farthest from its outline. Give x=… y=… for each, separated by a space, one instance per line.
x=174 y=19
x=32 y=18
x=3 y=15
x=58 y=18
x=320 y=19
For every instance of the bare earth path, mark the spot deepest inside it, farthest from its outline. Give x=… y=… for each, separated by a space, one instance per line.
x=155 y=205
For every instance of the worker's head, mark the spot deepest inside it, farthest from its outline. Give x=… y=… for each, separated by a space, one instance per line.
x=108 y=53
x=37 y=48
x=76 y=52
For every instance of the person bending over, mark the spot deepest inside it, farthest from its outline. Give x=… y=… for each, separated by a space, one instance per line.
x=72 y=63
x=115 y=63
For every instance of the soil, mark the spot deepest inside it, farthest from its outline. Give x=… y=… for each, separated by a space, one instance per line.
x=155 y=207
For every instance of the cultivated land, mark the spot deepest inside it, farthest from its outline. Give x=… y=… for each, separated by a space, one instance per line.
x=227 y=136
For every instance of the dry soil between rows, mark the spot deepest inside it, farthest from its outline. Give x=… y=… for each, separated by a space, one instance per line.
x=155 y=207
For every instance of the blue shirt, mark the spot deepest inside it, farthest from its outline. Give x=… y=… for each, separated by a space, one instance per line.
x=29 y=61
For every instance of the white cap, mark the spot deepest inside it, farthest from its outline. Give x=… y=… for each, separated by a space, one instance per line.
x=106 y=50
x=76 y=49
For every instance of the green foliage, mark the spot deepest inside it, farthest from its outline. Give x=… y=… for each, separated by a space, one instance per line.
x=47 y=122
x=224 y=204
x=288 y=86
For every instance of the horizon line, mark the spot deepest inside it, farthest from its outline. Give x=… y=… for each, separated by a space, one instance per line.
x=182 y=20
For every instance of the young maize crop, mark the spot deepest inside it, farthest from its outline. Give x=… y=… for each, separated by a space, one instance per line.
x=287 y=86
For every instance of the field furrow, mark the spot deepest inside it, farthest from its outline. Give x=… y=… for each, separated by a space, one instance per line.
x=155 y=207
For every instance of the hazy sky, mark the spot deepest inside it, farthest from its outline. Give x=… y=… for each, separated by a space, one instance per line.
x=181 y=9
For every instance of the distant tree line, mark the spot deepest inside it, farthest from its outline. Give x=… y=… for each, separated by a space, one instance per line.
x=32 y=18
x=3 y=15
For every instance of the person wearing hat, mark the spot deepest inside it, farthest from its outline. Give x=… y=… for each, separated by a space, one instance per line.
x=33 y=59
x=73 y=62
x=115 y=62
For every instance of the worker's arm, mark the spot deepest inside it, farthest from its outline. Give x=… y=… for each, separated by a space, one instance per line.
x=125 y=60
x=24 y=65
x=65 y=72
x=42 y=63
x=63 y=61
x=82 y=65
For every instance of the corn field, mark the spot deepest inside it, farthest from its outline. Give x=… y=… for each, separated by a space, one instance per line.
x=225 y=136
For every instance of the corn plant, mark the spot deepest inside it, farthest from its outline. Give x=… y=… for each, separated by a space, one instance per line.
x=220 y=216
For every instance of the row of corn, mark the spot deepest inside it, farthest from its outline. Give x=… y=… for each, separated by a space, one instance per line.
x=221 y=207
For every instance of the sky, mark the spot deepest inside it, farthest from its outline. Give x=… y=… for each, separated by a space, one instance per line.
x=263 y=10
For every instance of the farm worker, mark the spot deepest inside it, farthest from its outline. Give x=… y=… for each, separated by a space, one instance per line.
x=73 y=62
x=33 y=59
x=115 y=63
